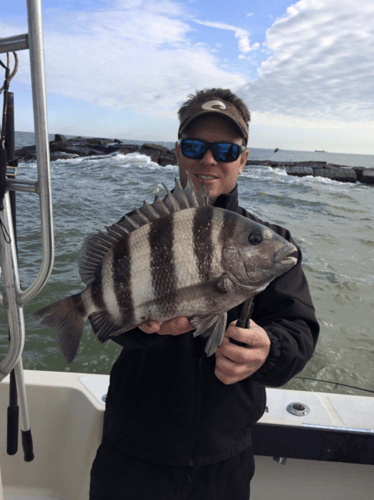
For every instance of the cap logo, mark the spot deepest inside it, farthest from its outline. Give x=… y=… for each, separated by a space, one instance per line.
x=209 y=105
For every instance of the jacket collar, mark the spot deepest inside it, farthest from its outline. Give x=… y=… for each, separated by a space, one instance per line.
x=228 y=201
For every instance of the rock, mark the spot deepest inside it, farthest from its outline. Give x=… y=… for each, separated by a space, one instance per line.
x=59 y=138
x=128 y=148
x=311 y=163
x=299 y=171
x=80 y=151
x=96 y=142
x=56 y=146
x=359 y=171
x=58 y=155
x=335 y=173
x=154 y=154
x=167 y=159
x=155 y=147
x=26 y=154
x=106 y=149
x=280 y=164
x=367 y=176
x=259 y=162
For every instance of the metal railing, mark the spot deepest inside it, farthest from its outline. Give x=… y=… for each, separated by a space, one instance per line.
x=13 y=298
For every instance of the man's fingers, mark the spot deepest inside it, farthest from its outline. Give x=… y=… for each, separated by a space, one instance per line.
x=150 y=327
x=175 y=326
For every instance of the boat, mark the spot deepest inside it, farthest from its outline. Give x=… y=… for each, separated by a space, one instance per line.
x=320 y=151
x=326 y=453
x=307 y=444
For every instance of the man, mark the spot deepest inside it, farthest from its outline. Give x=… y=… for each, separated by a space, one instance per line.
x=178 y=424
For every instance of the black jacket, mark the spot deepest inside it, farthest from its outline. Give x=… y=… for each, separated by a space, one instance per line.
x=165 y=403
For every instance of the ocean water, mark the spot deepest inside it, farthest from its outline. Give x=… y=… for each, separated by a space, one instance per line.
x=331 y=221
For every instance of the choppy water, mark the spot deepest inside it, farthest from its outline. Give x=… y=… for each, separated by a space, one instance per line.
x=331 y=221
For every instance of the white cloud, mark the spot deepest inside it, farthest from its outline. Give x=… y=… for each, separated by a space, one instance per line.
x=317 y=60
x=320 y=63
x=135 y=54
x=244 y=44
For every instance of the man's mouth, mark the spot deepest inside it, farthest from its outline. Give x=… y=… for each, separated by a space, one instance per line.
x=205 y=177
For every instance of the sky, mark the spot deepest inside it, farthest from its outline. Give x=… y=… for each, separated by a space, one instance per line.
x=121 y=69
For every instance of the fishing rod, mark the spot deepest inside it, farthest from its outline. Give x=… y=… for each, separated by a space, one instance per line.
x=3 y=150
x=335 y=383
x=243 y=322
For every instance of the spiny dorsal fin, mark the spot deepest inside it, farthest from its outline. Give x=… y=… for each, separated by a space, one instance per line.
x=96 y=246
x=181 y=196
x=171 y=202
x=196 y=198
x=149 y=211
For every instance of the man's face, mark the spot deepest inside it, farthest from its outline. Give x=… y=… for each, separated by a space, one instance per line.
x=219 y=177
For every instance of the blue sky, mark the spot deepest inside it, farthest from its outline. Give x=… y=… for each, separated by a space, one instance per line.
x=121 y=69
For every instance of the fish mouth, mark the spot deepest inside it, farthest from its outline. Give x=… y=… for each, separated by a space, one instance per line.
x=287 y=256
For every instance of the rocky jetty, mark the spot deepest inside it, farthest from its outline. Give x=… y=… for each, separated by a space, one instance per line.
x=62 y=148
x=339 y=173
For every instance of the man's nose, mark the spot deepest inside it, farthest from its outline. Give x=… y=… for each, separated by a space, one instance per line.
x=208 y=158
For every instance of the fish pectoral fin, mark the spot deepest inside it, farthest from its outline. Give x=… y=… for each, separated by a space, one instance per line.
x=213 y=327
x=224 y=284
x=104 y=327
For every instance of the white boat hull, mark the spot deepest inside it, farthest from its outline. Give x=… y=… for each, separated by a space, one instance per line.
x=66 y=414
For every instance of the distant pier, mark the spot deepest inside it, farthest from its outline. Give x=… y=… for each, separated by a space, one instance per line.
x=62 y=148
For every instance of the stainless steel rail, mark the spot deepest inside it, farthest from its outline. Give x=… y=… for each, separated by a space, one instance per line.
x=11 y=291
x=14 y=298
x=35 y=26
x=14 y=43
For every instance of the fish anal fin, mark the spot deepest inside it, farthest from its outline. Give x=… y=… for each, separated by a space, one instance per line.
x=213 y=327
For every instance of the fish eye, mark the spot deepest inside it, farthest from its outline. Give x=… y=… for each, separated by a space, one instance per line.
x=255 y=238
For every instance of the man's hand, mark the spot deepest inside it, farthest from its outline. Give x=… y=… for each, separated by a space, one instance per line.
x=175 y=326
x=235 y=363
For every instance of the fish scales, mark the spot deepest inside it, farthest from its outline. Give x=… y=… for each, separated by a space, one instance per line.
x=122 y=275
x=141 y=278
x=162 y=264
x=109 y=292
x=176 y=257
x=203 y=241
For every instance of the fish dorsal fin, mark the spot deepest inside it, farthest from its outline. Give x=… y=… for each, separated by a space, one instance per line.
x=196 y=198
x=96 y=246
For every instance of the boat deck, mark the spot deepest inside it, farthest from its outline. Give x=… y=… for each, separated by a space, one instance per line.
x=66 y=413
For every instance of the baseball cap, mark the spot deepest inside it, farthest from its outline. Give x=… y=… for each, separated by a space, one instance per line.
x=211 y=106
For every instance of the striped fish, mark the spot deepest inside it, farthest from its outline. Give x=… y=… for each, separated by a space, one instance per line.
x=177 y=257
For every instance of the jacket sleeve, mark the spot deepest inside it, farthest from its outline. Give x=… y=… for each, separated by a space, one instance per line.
x=285 y=310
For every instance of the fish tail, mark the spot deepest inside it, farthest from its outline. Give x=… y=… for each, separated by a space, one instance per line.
x=67 y=317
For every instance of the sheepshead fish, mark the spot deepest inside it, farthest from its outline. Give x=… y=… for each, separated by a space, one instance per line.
x=177 y=257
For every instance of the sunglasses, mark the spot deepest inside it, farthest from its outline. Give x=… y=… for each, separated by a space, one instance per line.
x=225 y=152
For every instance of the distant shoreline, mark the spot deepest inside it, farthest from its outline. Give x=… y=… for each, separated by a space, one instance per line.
x=63 y=148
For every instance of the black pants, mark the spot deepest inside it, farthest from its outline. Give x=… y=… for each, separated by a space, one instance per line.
x=116 y=475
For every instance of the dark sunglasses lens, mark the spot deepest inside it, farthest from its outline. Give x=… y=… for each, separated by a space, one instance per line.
x=193 y=149
x=226 y=152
